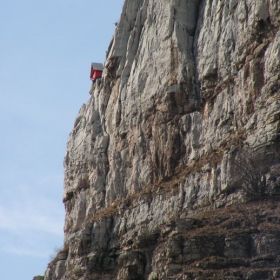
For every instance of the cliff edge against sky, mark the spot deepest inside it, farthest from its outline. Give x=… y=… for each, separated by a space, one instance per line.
x=190 y=91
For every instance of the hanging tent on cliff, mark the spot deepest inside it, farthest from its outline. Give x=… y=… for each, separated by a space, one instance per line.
x=96 y=70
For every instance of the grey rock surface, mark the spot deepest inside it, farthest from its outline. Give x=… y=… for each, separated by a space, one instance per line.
x=187 y=86
x=38 y=278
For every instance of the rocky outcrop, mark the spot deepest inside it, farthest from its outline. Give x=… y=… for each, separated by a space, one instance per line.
x=38 y=278
x=188 y=87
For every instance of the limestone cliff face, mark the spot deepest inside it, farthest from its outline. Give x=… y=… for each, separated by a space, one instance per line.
x=187 y=85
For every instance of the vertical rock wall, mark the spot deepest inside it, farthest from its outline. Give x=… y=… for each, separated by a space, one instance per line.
x=186 y=85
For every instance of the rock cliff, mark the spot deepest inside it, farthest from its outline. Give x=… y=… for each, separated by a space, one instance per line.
x=155 y=186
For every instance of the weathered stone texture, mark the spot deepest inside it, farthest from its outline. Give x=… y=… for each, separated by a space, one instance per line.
x=187 y=85
x=38 y=278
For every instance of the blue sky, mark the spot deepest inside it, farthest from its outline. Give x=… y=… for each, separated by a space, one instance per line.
x=46 y=50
